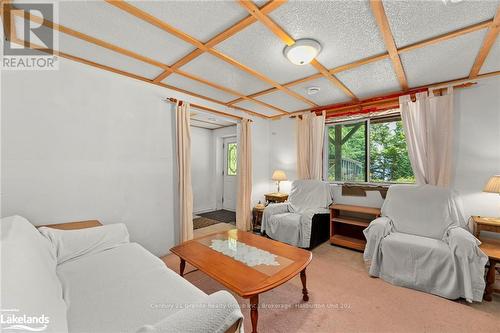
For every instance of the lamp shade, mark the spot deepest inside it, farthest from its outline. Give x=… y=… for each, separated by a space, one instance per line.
x=278 y=175
x=493 y=185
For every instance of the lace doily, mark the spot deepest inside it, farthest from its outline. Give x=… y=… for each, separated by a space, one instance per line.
x=249 y=255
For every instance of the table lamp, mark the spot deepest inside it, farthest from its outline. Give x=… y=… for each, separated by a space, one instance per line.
x=278 y=176
x=493 y=185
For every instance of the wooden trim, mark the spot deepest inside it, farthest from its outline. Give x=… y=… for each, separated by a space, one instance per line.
x=9 y=26
x=390 y=101
x=237 y=27
x=228 y=90
x=91 y=39
x=166 y=27
x=140 y=78
x=488 y=42
x=74 y=225
x=385 y=30
x=204 y=108
x=288 y=40
x=139 y=57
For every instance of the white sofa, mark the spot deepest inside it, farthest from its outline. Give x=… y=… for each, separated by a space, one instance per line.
x=422 y=242
x=95 y=280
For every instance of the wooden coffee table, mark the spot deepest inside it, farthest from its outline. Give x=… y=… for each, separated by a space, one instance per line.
x=267 y=270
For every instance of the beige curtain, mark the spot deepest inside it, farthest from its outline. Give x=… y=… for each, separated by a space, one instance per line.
x=428 y=125
x=310 y=139
x=183 y=132
x=244 y=174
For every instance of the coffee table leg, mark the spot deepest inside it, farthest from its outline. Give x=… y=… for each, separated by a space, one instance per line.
x=490 y=280
x=254 y=313
x=305 y=295
x=182 y=267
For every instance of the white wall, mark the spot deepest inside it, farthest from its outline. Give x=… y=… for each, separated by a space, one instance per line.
x=477 y=145
x=476 y=149
x=81 y=143
x=202 y=169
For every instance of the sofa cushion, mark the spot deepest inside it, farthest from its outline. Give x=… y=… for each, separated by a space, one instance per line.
x=29 y=280
x=71 y=244
x=121 y=289
x=404 y=259
x=425 y=210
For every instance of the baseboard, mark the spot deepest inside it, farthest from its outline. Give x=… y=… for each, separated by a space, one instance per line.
x=203 y=210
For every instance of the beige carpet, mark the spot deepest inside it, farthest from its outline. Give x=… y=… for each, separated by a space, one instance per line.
x=343 y=298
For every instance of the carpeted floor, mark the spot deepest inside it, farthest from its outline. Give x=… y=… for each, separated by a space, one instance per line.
x=203 y=222
x=343 y=298
x=222 y=215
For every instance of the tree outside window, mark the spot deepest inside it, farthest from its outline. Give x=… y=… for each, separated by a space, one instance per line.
x=368 y=151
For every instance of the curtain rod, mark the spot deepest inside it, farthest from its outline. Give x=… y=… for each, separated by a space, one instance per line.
x=204 y=108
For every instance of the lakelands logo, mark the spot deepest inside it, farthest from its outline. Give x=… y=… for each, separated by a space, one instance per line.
x=29 y=42
x=11 y=319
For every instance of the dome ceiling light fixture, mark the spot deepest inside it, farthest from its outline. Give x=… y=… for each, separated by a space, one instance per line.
x=313 y=90
x=303 y=51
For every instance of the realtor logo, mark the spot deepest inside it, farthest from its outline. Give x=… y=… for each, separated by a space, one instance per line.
x=29 y=41
x=10 y=319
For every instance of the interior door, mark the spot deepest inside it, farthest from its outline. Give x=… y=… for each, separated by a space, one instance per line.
x=230 y=163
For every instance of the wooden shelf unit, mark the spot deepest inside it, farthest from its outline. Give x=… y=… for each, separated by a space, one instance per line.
x=347 y=223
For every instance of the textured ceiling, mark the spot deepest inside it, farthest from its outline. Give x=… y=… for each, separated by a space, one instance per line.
x=439 y=62
x=347 y=31
x=99 y=19
x=413 y=21
x=263 y=51
x=328 y=93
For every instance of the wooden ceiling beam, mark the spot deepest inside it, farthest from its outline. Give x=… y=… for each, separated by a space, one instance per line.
x=134 y=55
x=9 y=25
x=488 y=42
x=288 y=40
x=383 y=24
x=140 y=14
x=234 y=29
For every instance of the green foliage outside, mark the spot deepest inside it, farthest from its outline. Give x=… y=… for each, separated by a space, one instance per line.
x=389 y=160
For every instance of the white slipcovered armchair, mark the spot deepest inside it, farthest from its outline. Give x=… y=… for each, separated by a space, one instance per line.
x=303 y=221
x=422 y=242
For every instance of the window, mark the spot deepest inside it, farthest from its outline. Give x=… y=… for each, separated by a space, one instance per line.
x=372 y=150
x=232 y=159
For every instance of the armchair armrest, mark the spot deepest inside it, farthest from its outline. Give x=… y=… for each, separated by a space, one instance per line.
x=462 y=242
x=277 y=208
x=217 y=314
x=470 y=261
x=374 y=233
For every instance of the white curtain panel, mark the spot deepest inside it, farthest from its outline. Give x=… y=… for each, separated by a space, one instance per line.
x=244 y=174
x=428 y=125
x=310 y=139
x=183 y=133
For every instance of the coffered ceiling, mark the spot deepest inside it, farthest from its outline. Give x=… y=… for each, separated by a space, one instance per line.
x=231 y=52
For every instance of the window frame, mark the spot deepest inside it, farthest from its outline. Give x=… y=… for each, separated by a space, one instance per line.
x=367 y=122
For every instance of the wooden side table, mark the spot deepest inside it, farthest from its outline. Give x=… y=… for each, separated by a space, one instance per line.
x=257 y=218
x=490 y=247
x=275 y=197
x=485 y=224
